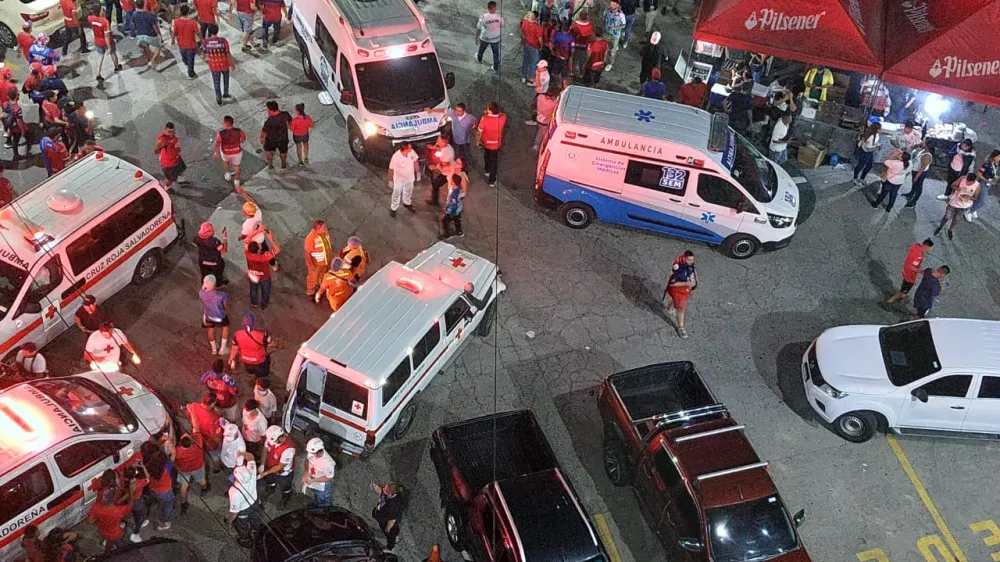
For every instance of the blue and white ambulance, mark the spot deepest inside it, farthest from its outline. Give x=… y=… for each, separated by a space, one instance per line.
x=664 y=167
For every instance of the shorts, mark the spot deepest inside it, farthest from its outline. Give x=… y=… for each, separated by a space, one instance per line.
x=148 y=40
x=950 y=212
x=281 y=146
x=905 y=286
x=209 y=323
x=246 y=22
x=680 y=296
x=300 y=138
x=233 y=159
x=174 y=172
x=101 y=50
x=195 y=476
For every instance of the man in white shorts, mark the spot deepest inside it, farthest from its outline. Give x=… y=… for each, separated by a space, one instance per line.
x=404 y=170
x=229 y=148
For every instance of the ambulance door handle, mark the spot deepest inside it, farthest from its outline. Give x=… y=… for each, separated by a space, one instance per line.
x=63 y=497
x=694 y=204
x=675 y=200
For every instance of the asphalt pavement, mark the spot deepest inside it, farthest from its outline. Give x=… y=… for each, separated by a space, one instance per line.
x=580 y=306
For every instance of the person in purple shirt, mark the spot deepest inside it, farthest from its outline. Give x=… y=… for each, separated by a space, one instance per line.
x=213 y=314
x=653 y=88
x=561 y=45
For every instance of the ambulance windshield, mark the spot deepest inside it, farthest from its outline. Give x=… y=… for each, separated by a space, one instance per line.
x=11 y=280
x=83 y=400
x=400 y=86
x=751 y=169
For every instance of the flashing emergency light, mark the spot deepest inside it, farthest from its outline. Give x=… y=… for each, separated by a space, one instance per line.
x=17 y=420
x=136 y=359
x=410 y=285
x=138 y=175
x=100 y=155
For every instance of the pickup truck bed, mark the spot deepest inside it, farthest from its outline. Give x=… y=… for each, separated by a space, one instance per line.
x=663 y=388
x=494 y=448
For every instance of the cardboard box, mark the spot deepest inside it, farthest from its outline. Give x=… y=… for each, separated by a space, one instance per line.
x=811 y=155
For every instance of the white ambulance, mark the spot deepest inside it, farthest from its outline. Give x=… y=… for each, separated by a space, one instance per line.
x=91 y=229
x=376 y=60
x=664 y=167
x=356 y=378
x=56 y=438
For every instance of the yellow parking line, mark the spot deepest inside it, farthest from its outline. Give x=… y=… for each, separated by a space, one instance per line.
x=608 y=540
x=926 y=498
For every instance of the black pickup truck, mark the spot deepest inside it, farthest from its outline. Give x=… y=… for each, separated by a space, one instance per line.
x=505 y=498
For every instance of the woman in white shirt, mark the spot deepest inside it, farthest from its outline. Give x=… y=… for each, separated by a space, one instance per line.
x=896 y=169
x=867 y=145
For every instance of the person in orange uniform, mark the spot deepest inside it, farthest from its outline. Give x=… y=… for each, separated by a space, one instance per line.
x=355 y=257
x=337 y=285
x=318 y=252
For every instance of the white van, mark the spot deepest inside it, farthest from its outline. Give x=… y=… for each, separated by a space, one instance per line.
x=92 y=228
x=356 y=378
x=56 y=438
x=664 y=167
x=376 y=60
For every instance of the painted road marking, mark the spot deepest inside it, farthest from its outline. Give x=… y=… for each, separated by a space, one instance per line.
x=993 y=539
x=926 y=498
x=609 y=542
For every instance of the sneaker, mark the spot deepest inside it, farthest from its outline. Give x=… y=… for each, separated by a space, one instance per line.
x=951 y=235
x=608 y=67
x=163 y=526
x=307 y=161
x=942 y=197
x=100 y=79
x=975 y=214
x=145 y=523
x=118 y=68
x=530 y=82
x=410 y=208
x=683 y=333
x=247 y=48
x=301 y=163
x=192 y=75
x=226 y=96
x=215 y=348
x=236 y=183
x=625 y=45
x=493 y=184
x=224 y=349
x=181 y=179
x=229 y=176
x=134 y=537
x=392 y=213
x=524 y=80
x=937 y=231
x=184 y=508
x=270 y=166
x=218 y=101
x=458 y=235
x=530 y=122
x=968 y=216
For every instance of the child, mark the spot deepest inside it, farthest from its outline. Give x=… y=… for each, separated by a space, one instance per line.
x=453 y=208
x=300 y=126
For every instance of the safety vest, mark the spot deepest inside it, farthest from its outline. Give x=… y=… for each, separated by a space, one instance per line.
x=318 y=250
x=348 y=254
x=274 y=453
x=817 y=80
x=253 y=346
x=337 y=286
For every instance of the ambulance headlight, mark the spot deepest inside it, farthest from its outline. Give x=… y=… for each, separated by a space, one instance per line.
x=779 y=221
x=372 y=129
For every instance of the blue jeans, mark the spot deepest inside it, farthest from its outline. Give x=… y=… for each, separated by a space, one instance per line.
x=889 y=190
x=529 y=62
x=263 y=32
x=864 y=165
x=495 y=48
x=629 y=22
x=324 y=497
x=187 y=55
x=166 y=500
x=779 y=156
x=224 y=77
x=128 y=23
x=264 y=290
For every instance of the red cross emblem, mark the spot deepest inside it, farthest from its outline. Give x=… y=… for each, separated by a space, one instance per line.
x=50 y=313
x=109 y=348
x=125 y=391
x=458 y=335
x=95 y=485
x=458 y=262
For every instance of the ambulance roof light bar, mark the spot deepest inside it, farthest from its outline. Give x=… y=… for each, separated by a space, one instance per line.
x=410 y=285
x=18 y=421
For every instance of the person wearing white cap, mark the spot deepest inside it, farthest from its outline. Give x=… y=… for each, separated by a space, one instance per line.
x=651 y=55
x=279 y=462
x=318 y=473
x=542 y=80
x=244 y=510
x=234 y=449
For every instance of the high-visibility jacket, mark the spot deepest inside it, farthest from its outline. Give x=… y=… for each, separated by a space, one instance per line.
x=348 y=254
x=337 y=286
x=318 y=250
x=817 y=80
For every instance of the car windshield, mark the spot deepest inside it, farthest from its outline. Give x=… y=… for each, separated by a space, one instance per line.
x=751 y=169
x=750 y=531
x=11 y=280
x=908 y=352
x=84 y=402
x=403 y=85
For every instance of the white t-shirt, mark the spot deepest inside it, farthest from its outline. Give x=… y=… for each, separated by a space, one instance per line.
x=240 y=500
x=779 y=132
x=267 y=402
x=490 y=27
x=34 y=365
x=320 y=467
x=251 y=224
x=402 y=167
x=908 y=141
x=106 y=349
x=445 y=155
x=231 y=452
x=895 y=171
x=254 y=429
x=870 y=144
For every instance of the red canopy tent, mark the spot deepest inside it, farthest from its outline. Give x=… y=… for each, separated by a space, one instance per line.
x=945 y=47
x=845 y=34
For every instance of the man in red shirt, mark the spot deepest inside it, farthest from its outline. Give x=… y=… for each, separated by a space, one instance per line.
x=911 y=268
x=693 y=93
x=259 y=266
x=207 y=10
x=490 y=131
x=581 y=30
x=245 y=10
x=190 y=462
x=204 y=418
x=25 y=40
x=168 y=146
x=220 y=60
x=229 y=148
x=71 y=20
x=531 y=44
x=251 y=347
x=184 y=32
x=597 y=52
x=272 y=12
x=104 y=41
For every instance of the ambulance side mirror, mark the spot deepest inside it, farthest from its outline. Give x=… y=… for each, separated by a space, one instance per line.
x=31 y=308
x=346 y=97
x=449 y=80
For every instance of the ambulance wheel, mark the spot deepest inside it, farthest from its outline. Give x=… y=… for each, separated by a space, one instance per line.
x=7 y=38
x=453 y=527
x=405 y=419
x=576 y=215
x=307 y=67
x=740 y=246
x=486 y=324
x=147 y=268
x=357 y=143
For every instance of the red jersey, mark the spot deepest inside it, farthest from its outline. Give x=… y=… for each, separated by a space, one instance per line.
x=31 y=83
x=206 y=10
x=597 y=51
x=914 y=259
x=271 y=9
x=161 y=484
x=51 y=111
x=252 y=344
x=25 y=41
x=190 y=459
x=532 y=33
x=230 y=140
x=186 y=31
x=692 y=94
x=208 y=425
x=108 y=519
x=67 y=9
x=32 y=549
x=581 y=32
x=57 y=155
x=258 y=265
x=300 y=125
x=217 y=52
x=100 y=26
x=491 y=130
x=245 y=6
x=170 y=153
x=128 y=5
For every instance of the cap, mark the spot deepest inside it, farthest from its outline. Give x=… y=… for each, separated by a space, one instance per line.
x=49 y=70
x=543 y=64
x=314 y=446
x=6 y=71
x=36 y=67
x=249 y=208
x=273 y=433
x=654 y=39
x=231 y=431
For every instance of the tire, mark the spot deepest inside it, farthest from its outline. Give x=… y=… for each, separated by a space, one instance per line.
x=148 y=267
x=856 y=427
x=576 y=215
x=740 y=246
x=616 y=466
x=307 y=67
x=453 y=527
x=356 y=141
x=7 y=37
x=486 y=324
x=405 y=419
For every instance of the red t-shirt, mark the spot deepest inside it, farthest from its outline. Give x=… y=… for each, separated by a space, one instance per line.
x=161 y=484
x=99 y=25
x=217 y=53
x=596 y=53
x=300 y=125
x=206 y=10
x=208 y=425
x=230 y=140
x=190 y=459
x=259 y=264
x=271 y=9
x=67 y=9
x=491 y=127
x=692 y=94
x=253 y=350
x=914 y=259
x=140 y=485
x=170 y=153
x=581 y=32
x=25 y=41
x=244 y=6
x=108 y=519
x=128 y=5
x=186 y=30
x=51 y=111
x=57 y=156
x=532 y=32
